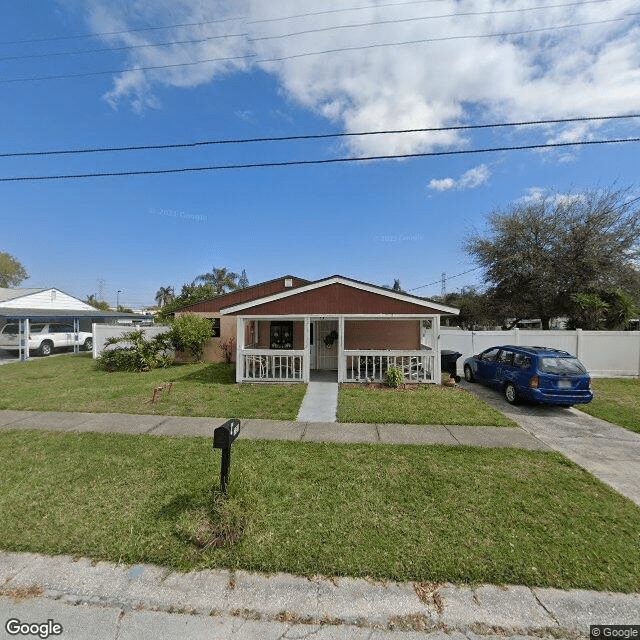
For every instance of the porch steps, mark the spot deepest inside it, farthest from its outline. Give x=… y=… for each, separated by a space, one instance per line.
x=320 y=403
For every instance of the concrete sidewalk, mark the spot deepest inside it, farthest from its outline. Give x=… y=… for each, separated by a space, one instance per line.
x=105 y=600
x=273 y=429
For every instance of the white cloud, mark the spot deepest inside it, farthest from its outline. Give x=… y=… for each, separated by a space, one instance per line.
x=563 y=72
x=471 y=179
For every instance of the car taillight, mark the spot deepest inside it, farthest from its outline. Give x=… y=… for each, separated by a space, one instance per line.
x=589 y=383
x=534 y=382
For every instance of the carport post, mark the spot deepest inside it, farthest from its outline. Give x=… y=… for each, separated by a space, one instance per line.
x=76 y=329
x=23 y=339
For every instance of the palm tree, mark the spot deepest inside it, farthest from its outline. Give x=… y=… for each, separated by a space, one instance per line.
x=164 y=295
x=222 y=280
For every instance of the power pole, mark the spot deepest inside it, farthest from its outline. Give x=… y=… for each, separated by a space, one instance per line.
x=443 y=290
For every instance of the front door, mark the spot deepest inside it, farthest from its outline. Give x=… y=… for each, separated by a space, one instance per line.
x=326 y=344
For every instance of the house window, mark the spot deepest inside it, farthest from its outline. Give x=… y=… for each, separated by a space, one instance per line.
x=281 y=335
x=215 y=327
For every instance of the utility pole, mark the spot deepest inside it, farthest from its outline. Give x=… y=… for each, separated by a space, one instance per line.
x=443 y=290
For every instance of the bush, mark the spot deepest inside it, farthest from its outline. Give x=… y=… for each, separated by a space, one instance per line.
x=189 y=333
x=393 y=377
x=139 y=355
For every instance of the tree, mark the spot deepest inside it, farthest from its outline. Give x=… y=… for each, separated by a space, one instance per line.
x=243 y=282
x=164 y=295
x=103 y=305
x=221 y=279
x=189 y=333
x=540 y=253
x=12 y=273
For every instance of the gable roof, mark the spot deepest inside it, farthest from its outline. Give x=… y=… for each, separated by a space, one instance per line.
x=12 y=294
x=253 y=292
x=339 y=295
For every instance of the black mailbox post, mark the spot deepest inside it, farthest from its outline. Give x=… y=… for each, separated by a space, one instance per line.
x=223 y=437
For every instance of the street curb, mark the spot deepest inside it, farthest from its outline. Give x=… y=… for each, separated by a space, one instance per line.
x=316 y=600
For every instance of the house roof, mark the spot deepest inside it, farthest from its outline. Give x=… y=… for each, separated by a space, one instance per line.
x=12 y=294
x=339 y=295
x=52 y=315
x=239 y=296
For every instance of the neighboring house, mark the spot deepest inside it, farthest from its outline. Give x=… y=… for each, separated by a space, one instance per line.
x=286 y=328
x=45 y=305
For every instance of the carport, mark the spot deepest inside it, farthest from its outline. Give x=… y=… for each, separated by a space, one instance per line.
x=82 y=321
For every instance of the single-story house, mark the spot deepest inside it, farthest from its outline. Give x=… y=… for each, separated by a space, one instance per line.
x=286 y=328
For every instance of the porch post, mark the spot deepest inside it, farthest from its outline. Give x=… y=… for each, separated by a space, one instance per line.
x=306 y=361
x=342 y=368
x=239 y=348
x=437 y=370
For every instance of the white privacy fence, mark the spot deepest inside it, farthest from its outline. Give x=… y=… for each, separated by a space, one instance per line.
x=606 y=354
x=103 y=331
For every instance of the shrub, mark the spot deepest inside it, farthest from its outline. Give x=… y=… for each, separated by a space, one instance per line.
x=227 y=346
x=393 y=377
x=139 y=354
x=189 y=333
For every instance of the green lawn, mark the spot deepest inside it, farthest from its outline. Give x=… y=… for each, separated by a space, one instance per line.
x=436 y=513
x=616 y=400
x=428 y=404
x=72 y=383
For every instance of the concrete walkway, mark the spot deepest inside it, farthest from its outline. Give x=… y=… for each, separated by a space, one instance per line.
x=609 y=452
x=320 y=403
x=116 y=602
x=273 y=429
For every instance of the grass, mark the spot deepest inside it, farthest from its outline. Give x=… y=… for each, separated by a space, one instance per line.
x=428 y=404
x=72 y=383
x=617 y=400
x=436 y=514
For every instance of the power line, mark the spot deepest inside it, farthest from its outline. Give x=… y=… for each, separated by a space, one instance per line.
x=297 y=33
x=290 y=163
x=443 y=279
x=314 y=53
x=315 y=136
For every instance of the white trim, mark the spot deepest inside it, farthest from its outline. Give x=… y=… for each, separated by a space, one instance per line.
x=346 y=316
x=348 y=283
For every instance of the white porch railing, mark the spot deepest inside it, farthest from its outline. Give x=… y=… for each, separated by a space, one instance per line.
x=267 y=365
x=363 y=366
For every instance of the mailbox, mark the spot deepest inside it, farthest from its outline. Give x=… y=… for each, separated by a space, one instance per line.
x=223 y=437
x=225 y=434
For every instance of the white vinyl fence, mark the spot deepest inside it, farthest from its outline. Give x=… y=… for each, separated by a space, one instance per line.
x=103 y=331
x=606 y=354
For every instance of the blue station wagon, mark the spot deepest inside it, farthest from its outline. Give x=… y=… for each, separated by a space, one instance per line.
x=540 y=374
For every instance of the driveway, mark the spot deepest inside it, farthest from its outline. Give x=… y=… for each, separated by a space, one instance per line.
x=7 y=356
x=609 y=452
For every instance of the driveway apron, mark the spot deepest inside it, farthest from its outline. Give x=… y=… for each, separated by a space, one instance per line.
x=609 y=452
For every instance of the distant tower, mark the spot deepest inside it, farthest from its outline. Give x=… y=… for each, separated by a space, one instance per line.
x=101 y=284
x=444 y=284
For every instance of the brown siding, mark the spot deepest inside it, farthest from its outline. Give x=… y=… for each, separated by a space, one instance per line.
x=336 y=299
x=382 y=334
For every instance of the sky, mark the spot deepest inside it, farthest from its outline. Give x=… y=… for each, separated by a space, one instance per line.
x=91 y=74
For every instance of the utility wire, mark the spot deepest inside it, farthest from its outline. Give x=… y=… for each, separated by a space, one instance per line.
x=298 y=33
x=290 y=163
x=315 y=136
x=430 y=284
x=314 y=53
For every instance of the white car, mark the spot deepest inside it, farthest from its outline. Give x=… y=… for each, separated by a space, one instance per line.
x=44 y=337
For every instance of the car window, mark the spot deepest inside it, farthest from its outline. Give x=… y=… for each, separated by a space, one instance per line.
x=522 y=361
x=36 y=328
x=562 y=366
x=10 y=328
x=60 y=328
x=490 y=354
x=506 y=357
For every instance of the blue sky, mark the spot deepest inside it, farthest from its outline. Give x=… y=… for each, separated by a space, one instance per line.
x=373 y=221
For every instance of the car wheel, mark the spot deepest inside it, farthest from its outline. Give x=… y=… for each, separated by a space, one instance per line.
x=468 y=374
x=46 y=348
x=88 y=344
x=510 y=393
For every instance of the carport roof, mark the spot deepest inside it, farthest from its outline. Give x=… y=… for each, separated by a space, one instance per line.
x=64 y=314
